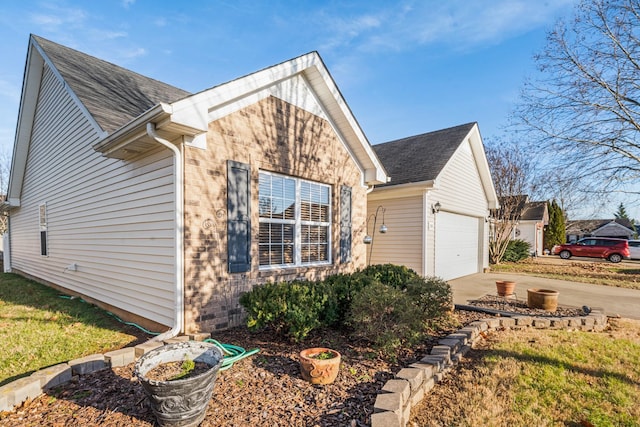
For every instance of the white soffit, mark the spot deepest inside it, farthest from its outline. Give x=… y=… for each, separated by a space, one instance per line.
x=294 y=90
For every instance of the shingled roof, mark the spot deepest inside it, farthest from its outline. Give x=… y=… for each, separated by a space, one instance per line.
x=534 y=211
x=586 y=226
x=421 y=157
x=113 y=95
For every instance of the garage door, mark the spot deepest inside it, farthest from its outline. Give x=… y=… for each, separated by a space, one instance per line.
x=457 y=243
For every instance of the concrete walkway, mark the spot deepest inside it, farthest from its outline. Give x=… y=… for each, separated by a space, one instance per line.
x=614 y=301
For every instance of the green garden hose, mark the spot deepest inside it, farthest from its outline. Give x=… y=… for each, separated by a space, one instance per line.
x=135 y=325
x=232 y=353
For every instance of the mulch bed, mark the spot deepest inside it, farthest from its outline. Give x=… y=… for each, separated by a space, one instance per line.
x=263 y=389
x=519 y=306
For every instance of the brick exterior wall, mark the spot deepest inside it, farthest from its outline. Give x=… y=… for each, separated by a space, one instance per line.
x=270 y=135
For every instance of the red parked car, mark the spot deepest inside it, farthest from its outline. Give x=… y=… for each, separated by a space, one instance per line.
x=615 y=250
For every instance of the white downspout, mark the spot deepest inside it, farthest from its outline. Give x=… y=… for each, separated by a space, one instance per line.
x=179 y=289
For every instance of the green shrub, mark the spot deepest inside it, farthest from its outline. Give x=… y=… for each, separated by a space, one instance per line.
x=385 y=316
x=342 y=288
x=393 y=275
x=389 y=316
x=386 y=304
x=345 y=286
x=292 y=308
x=432 y=295
x=517 y=250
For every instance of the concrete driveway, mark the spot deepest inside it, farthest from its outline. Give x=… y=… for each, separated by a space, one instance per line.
x=614 y=301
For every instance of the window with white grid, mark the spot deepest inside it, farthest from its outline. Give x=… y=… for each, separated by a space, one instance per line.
x=295 y=221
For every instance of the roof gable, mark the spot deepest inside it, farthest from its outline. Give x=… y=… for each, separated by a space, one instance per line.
x=304 y=76
x=121 y=103
x=420 y=160
x=587 y=226
x=535 y=211
x=421 y=157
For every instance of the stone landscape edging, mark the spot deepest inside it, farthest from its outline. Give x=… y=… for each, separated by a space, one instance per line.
x=19 y=391
x=393 y=405
x=399 y=395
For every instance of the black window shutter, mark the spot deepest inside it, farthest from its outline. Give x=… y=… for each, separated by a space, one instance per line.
x=43 y=243
x=345 y=224
x=238 y=217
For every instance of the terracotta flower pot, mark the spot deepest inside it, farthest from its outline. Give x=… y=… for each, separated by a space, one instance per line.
x=505 y=287
x=319 y=365
x=545 y=299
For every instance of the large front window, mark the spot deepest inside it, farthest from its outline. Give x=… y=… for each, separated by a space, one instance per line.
x=294 y=221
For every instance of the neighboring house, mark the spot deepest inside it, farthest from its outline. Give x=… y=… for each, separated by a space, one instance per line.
x=531 y=225
x=436 y=206
x=530 y=222
x=620 y=228
x=164 y=206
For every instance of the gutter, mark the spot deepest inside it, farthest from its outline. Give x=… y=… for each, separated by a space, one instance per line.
x=179 y=289
x=154 y=113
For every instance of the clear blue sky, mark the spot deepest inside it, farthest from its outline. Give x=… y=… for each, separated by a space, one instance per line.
x=404 y=67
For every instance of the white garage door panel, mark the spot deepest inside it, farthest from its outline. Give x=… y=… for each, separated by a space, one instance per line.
x=457 y=238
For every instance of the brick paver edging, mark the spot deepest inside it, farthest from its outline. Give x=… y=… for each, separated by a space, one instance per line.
x=393 y=405
x=22 y=389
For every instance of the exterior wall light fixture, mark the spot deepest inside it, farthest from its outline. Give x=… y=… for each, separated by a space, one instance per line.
x=368 y=239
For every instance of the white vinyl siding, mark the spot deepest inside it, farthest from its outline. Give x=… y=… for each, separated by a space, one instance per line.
x=113 y=219
x=530 y=234
x=402 y=244
x=459 y=185
x=411 y=237
x=460 y=191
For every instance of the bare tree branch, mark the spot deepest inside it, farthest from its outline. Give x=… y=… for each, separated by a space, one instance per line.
x=581 y=116
x=510 y=170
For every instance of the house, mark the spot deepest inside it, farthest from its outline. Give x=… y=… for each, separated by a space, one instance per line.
x=436 y=207
x=164 y=206
x=531 y=226
x=620 y=228
x=530 y=220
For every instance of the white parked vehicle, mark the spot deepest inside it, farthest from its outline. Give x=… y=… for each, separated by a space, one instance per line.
x=634 y=249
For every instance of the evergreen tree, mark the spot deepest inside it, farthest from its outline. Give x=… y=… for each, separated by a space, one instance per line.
x=556 y=230
x=621 y=213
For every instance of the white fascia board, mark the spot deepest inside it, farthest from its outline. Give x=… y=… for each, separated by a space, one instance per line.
x=402 y=190
x=160 y=114
x=194 y=110
x=337 y=108
x=26 y=115
x=197 y=110
x=107 y=144
x=477 y=148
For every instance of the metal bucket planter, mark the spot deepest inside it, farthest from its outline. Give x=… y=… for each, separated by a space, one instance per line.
x=319 y=370
x=181 y=402
x=546 y=299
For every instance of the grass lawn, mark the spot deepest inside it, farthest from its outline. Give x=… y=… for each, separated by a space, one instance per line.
x=38 y=328
x=585 y=270
x=543 y=378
